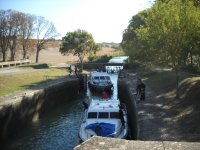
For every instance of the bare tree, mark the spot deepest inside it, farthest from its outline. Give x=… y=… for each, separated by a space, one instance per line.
x=26 y=32
x=18 y=28
x=14 y=26
x=45 y=31
x=4 y=32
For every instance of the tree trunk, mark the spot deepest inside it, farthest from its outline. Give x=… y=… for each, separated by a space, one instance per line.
x=37 y=55
x=177 y=83
x=13 y=44
x=24 y=52
x=191 y=58
x=4 y=56
x=81 y=61
x=81 y=65
x=4 y=46
x=12 y=55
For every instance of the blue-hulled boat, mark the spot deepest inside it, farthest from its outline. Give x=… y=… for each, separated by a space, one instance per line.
x=105 y=118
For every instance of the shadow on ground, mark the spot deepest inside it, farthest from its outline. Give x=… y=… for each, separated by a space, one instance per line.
x=37 y=66
x=162 y=116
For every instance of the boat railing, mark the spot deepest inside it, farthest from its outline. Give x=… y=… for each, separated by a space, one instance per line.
x=103 y=100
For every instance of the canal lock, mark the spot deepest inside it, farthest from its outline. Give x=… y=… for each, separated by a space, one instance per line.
x=45 y=100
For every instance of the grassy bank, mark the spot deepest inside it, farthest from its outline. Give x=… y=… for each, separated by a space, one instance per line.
x=186 y=110
x=15 y=82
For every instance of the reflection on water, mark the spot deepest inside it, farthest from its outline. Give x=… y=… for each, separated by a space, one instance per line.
x=57 y=130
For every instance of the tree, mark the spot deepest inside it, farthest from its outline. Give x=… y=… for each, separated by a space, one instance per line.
x=4 y=32
x=170 y=27
x=13 y=27
x=132 y=46
x=79 y=43
x=169 y=34
x=45 y=31
x=26 y=32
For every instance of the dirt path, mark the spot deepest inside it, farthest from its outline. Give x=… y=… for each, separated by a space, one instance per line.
x=15 y=71
x=156 y=117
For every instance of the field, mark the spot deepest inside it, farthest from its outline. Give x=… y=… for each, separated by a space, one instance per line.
x=52 y=55
x=27 y=80
x=37 y=73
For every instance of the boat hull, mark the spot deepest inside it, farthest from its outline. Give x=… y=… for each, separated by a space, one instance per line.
x=124 y=136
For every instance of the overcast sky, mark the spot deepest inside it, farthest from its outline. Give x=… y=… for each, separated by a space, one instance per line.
x=104 y=19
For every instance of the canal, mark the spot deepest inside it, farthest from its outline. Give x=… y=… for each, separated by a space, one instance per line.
x=57 y=129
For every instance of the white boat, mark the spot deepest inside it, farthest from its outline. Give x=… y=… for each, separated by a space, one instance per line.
x=104 y=118
x=100 y=81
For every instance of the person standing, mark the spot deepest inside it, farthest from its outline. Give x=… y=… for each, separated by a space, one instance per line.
x=104 y=95
x=70 y=69
x=141 y=89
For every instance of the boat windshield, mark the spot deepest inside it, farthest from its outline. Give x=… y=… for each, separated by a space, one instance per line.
x=107 y=78
x=103 y=115
x=102 y=78
x=92 y=115
x=96 y=78
x=114 y=115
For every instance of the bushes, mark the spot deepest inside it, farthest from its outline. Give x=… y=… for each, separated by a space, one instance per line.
x=191 y=69
x=99 y=59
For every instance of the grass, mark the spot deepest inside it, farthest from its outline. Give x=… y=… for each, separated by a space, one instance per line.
x=35 y=66
x=161 y=80
x=16 y=82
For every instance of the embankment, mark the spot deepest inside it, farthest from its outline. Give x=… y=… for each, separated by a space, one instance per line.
x=19 y=111
x=126 y=90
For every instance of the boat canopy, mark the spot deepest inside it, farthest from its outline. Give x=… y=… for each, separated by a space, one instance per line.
x=102 y=129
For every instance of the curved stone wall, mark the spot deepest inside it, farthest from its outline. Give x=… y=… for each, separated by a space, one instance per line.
x=26 y=109
x=127 y=97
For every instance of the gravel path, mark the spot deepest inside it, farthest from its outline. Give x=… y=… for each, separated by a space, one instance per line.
x=14 y=71
x=155 y=116
x=156 y=119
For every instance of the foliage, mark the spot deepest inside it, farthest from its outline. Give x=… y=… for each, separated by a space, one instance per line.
x=99 y=59
x=130 y=42
x=79 y=43
x=92 y=58
x=167 y=33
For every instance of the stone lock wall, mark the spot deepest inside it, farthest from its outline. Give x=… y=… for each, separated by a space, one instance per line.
x=128 y=98
x=24 y=110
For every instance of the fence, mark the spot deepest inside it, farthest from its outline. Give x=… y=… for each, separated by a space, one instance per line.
x=14 y=63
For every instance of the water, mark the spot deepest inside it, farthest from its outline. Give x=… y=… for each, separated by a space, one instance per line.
x=58 y=129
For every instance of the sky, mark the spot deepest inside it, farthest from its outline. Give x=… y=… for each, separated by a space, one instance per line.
x=104 y=19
